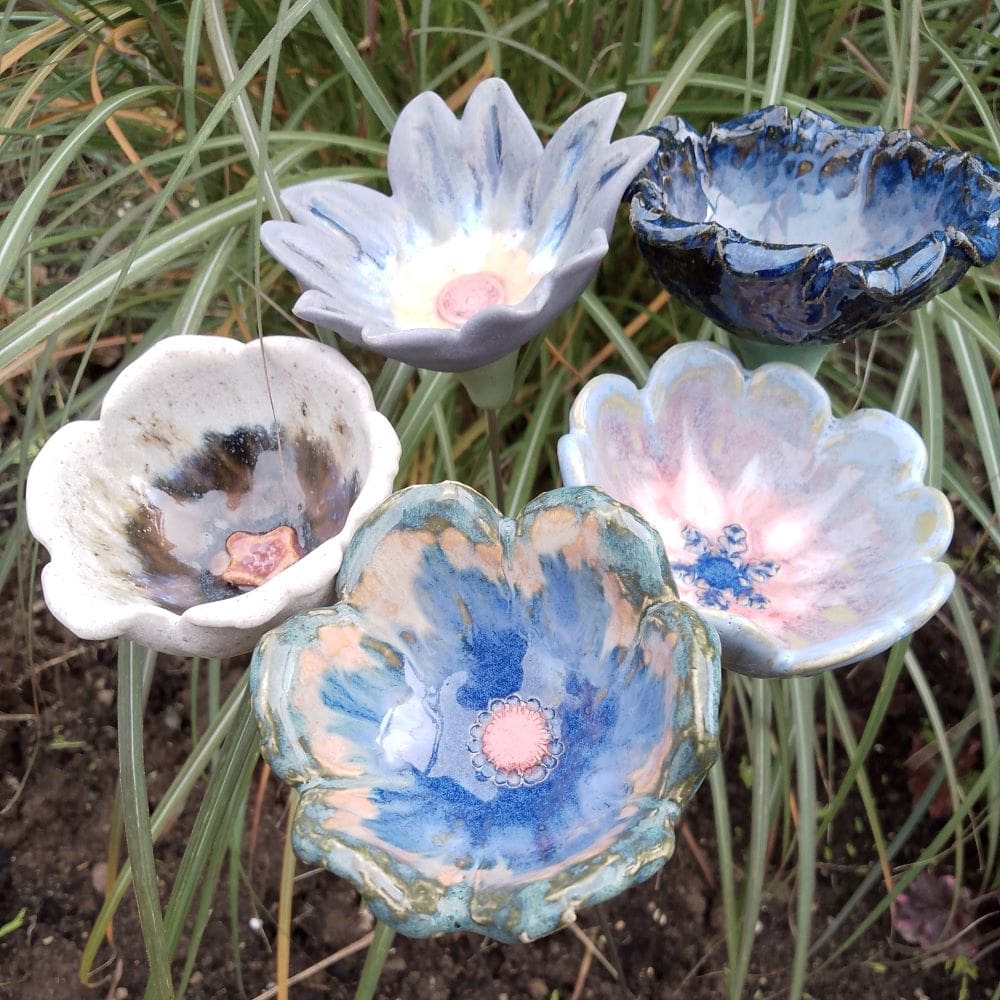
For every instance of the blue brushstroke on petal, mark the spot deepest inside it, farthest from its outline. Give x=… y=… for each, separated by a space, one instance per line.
x=557 y=233
x=359 y=250
x=609 y=173
x=497 y=138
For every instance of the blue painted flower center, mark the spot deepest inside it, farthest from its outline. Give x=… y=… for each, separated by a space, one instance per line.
x=512 y=743
x=721 y=573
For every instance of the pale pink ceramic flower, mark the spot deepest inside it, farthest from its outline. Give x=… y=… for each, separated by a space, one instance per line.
x=808 y=541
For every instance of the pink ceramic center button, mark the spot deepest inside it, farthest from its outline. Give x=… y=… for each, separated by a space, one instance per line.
x=465 y=295
x=254 y=559
x=516 y=738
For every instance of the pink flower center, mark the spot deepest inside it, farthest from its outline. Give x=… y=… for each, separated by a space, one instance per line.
x=254 y=559
x=465 y=295
x=516 y=738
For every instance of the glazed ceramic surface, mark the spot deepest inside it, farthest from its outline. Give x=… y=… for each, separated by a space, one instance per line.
x=802 y=230
x=214 y=496
x=484 y=240
x=808 y=541
x=501 y=720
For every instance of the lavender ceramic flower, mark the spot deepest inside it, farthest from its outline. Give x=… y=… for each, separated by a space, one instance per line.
x=484 y=240
x=215 y=495
x=808 y=541
x=802 y=230
x=501 y=720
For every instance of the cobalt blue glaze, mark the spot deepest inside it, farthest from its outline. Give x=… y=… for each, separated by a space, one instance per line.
x=805 y=231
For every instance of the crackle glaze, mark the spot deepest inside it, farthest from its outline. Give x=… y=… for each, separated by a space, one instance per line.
x=501 y=720
x=808 y=541
x=485 y=239
x=802 y=230
x=214 y=496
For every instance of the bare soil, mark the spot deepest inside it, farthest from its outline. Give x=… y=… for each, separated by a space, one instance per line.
x=58 y=770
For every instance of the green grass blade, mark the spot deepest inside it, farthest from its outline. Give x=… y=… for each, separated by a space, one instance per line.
x=16 y=229
x=987 y=115
x=979 y=395
x=612 y=329
x=164 y=814
x=226 y=840
x=204 y=284
x=135 y=813
x=443 y=432
x=760 y=802
x=931 y=404
x=207 y=843
x=347 y=53
x=981 y=683
x=523 y=477
x=876 y=716
x=982 y=328
x=694 y=53
x=842 y=721
x=225 y=59
x=418 y=417
x=89 y=290
x=951 y=829
x=782 y=42
x=727 y=864
x=378 y=951
x=390 y=386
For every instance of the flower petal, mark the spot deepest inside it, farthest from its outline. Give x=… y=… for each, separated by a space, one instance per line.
x=580 y=178
x=326 y=261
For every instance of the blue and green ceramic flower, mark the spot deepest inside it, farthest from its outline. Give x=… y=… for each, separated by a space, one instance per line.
x=501 y=720
x=485 y=239
x=805 y=231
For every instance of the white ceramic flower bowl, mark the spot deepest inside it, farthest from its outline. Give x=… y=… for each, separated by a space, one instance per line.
x=808 y=541
x=214 y=496
x=484 y=240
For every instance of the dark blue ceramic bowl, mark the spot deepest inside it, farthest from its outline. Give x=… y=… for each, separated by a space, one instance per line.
x=804 y=231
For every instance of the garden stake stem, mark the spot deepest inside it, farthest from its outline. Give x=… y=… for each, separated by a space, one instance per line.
x=378 y=952
x=132 y=682
x=616 y=961
x=493 y=429
x=284 y=951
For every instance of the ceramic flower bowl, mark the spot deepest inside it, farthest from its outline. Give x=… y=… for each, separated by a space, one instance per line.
x=484 y=240
x=214 y=496
x=501 y=720
x=805 y=231
x=808 y=541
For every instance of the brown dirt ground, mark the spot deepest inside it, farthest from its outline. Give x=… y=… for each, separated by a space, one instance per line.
x=58 y=771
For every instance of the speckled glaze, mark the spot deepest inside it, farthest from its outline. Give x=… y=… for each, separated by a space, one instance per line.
x=378 y=710
x=485 y=239
x=200 y=440
x=805 y=231
x=808 y=541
